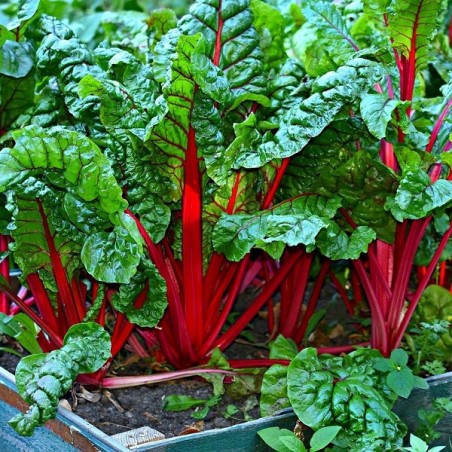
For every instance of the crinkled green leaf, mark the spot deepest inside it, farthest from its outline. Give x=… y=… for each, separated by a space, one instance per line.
x=325 y=391
x=376 y=111
x=210 y=139
x=43 y=378
x=116 y=107
x=15 y=59
x=160 y=22
x=274 y=390
x=62 y=158
x=417 y=196
x=31 y=247
x=436 y=303
x=291 y=223
x=308 y=119
x=169 y=138
x=333 y=45
x=323 y=155
x=113 y=257
x=143 y=300
x=155 y=217
x=364 y=184
x=231 y=42
x=335 y=243
x=269 y=23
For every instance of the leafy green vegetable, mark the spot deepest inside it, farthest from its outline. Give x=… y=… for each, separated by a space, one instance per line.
x=351 y=393
x=43 y=378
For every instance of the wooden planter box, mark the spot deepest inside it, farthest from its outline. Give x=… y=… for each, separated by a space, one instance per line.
x=70 y=433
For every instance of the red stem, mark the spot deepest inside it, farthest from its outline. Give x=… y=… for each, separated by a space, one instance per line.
x=232 y=295
x=342 y=292
x=291 y=311
x=65 y=297
x=312 y=303
x=269 y=197
x=415 y=299
x=4 y=271
x=44 y=304
x=378 y=326
x=192 y=262
x=44 y=325
x=257 y=304
x=175 y=312
x=437 y=126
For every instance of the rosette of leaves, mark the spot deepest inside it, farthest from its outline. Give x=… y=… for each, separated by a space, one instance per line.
x=43 y=378
x=355 y=392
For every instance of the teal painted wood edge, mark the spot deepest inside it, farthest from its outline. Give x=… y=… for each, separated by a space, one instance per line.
x=238 y=438
x=98 y=438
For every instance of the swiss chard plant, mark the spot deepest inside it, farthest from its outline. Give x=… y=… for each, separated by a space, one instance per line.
x=383 y=158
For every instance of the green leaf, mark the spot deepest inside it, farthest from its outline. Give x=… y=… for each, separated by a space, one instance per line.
x=112 y=257
x=27 y=333
x=309 y=118
x=399 y=357
x=283 y=348
x=272 y=436
x=314 y=322
x=43 y=378
x=26 y=11
x=294 y=222
x=274 y=390
x=181 y=402
x=376 y=111
x=323 y=437
x=417 y=445
x=401 y=381
x=169 y=137
x=38 y=228
x=292 y=443
x=337 y=244
x=200 y=413
x=16 y=96
x=232 y=43
x=333 y=44
x=15 y=59
x=143 y=300
x=420 y=383
x=58 y=155
x=269 y=22
x=335 y=391
x=5 y=35
x=417 y=196
x=383 y=365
